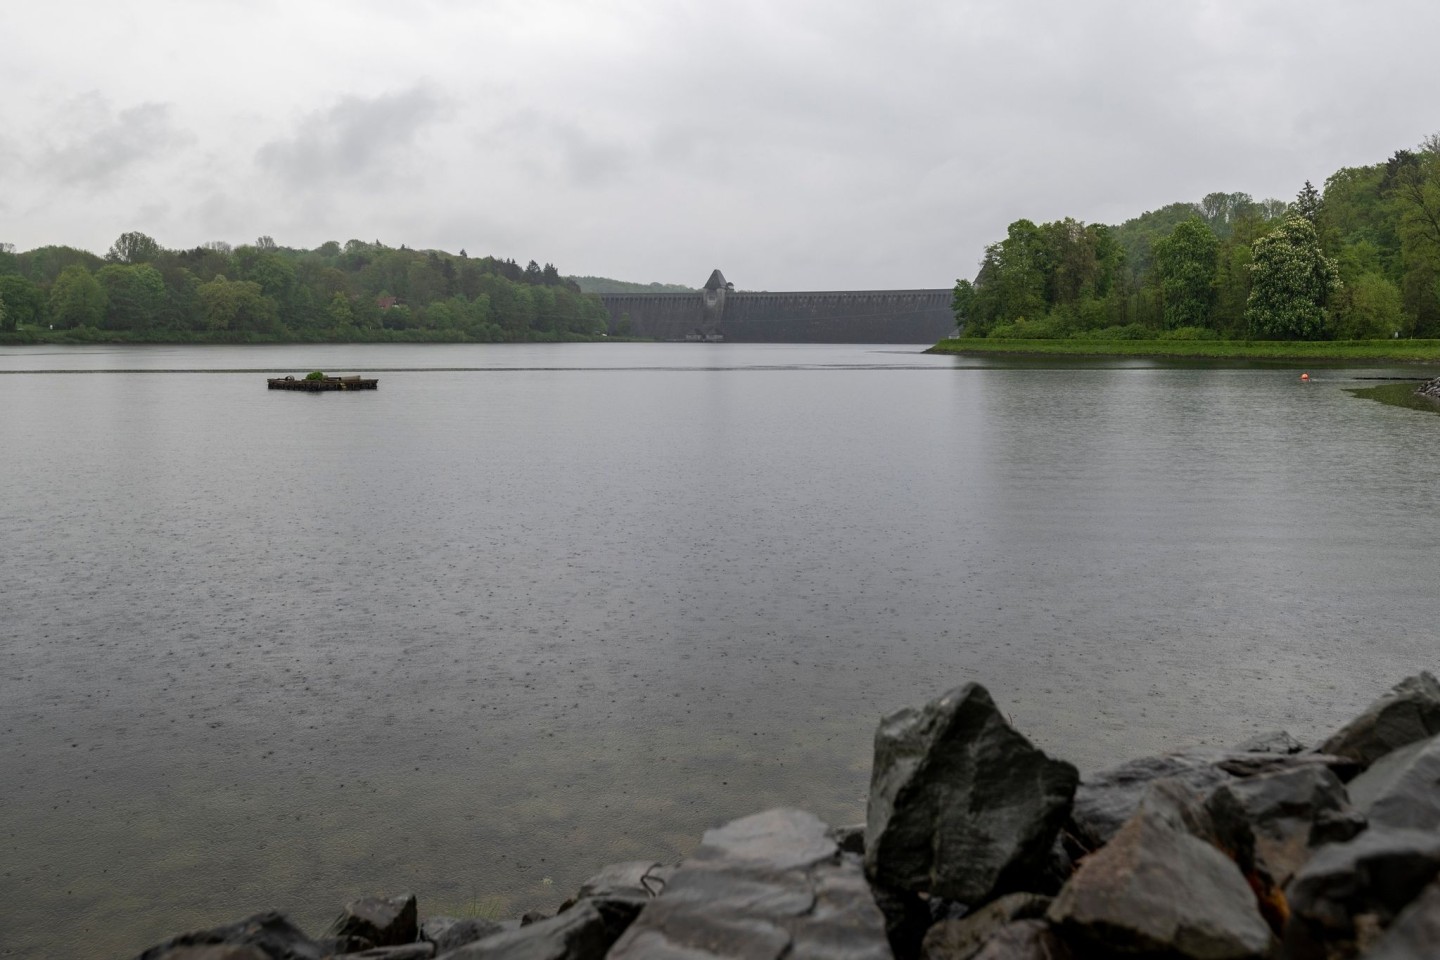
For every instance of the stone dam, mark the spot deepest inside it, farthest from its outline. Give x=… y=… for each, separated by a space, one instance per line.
x=720 y=312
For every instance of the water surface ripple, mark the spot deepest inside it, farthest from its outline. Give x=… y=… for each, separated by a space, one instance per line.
x=475 y=635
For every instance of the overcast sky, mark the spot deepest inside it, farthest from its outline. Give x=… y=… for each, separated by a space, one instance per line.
x=795 y=145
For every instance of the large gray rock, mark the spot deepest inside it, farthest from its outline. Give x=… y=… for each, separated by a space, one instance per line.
x=1106 y=800
x=447 y=933
x=1402 y=788
x=1156 y=889
x=1410 y=711
x=961 y=805
x=764 y=886
x=1415 y=935
x=384 y=921
x=962 y=938
x=1374 y=876
x=271 y=934
x=1267 y=821
x=584 y=932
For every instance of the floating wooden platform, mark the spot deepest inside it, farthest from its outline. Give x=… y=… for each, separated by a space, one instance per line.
x=329 y=383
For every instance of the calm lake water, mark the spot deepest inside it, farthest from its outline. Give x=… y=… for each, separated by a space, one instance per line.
x=542 y=608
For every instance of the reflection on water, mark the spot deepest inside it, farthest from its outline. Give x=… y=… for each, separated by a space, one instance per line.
x=548 y=607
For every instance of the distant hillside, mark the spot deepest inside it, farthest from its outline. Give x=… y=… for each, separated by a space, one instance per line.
x=606 y=285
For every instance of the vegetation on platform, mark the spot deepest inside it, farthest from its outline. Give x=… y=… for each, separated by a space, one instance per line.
x=1309 y=351
x=1399 y=395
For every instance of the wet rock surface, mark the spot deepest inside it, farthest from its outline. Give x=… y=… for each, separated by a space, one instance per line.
x=961 y=805
x=1402 y=788
x=1415 y=934
x=1105 y=801
x=1408 y=712
x=1347 y=887
x=384 y=921
x=271 y=934
x=1157 y=889
x=447 y=933
x=769 y=885
x=584 y=932
x=1267 y=821
x=1266 y=850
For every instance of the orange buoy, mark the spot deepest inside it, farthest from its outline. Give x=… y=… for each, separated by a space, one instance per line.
x=1305 y=376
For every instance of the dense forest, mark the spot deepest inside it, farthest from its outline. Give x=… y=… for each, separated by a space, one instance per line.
x=265 y=292
x=1358 y=260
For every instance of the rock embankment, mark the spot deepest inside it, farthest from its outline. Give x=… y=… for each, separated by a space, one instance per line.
x=978 y=845
x=1430 y=388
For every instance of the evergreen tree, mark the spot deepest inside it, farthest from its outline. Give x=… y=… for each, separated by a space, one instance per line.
x=1307 y=202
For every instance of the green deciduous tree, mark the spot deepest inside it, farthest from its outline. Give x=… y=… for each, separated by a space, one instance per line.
x=237 y=306
x=134 y=296
x=24 y=301
x=76 y=299
x=133 y=247
x=1368 y=307
x=1292 y=283
x=1185 y=263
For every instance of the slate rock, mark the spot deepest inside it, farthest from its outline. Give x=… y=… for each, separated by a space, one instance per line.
x=584 y=932
x=1336 y=826
x=1266 y=822
x=1275 y=741
x=1402 y=788
x=272 y=934
x=961 y=805
x=1377 y=874
x=447 y=933
x=1410 y=711
x=1026 y=940
x=1415 y=934
x=636 y=879
x=767 y=885
x=1157 y=889
x=1106 y=800
x=384 y=921
x=963 y=938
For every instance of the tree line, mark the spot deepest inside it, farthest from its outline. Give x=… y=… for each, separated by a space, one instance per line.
x=265 y=292
x=1357 y=260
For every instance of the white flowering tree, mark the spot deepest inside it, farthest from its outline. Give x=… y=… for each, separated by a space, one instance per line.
x=1292 y=283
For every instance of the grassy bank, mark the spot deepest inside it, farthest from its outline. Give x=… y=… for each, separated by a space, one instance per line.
x=1399 y=395
x=1334 y=351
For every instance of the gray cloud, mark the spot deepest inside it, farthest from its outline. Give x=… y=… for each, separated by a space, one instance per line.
x=812 y=143
x=355 y=137
x=99 y=145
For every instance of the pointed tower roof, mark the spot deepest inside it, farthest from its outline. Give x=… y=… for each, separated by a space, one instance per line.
x=716 y=281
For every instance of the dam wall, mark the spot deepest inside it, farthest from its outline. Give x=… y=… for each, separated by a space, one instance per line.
x=720 y=312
